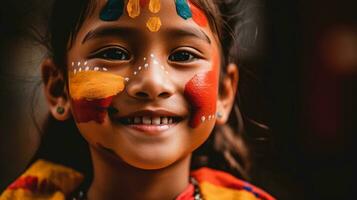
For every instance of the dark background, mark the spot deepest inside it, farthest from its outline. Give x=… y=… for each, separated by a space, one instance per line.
x=305 y=93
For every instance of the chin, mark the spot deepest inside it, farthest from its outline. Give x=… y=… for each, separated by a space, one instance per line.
x=153 y=160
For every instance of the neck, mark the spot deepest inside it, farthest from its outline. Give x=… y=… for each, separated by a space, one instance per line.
x=115 y=179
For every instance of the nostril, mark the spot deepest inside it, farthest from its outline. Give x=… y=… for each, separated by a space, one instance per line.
x=142 y=94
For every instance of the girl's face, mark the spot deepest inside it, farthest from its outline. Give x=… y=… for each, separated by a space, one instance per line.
x=145 y=93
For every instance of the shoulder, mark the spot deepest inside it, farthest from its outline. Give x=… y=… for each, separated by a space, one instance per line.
x=215 y=184
x=44 y=180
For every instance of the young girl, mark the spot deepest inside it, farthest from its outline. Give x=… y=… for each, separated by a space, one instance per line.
x=146 y=82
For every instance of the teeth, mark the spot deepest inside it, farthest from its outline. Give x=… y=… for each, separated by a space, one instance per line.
x=150 y=120
x=146 y=120
x=137 y=120
x=155 y=120
x=164 y=120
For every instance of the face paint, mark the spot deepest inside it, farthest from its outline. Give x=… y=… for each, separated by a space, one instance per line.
x=202 y=91
x=182 y=9
x=133 y=8
x=92 y=92
x=143 y=3
x=198 y=15
x=153 y=24
x=112 y=10
x=154 y=6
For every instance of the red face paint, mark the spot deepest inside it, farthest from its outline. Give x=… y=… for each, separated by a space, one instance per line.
x=143 y=3
x=198 y=15
x=201 y=92
x=94 y=110
x=92 y=93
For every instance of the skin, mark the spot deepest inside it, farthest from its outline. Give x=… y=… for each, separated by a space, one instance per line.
x=123 y=157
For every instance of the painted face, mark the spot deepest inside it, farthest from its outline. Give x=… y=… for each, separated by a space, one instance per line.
x=143 y=80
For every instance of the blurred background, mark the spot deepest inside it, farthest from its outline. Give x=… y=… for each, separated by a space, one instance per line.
x=304 y=64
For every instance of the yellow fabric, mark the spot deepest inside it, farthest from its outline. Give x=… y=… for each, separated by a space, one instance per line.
x=22 y=194
x=214 y=192
x=92 y=85
x=65 y=179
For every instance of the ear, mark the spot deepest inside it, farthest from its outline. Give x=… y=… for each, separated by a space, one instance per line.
x=55 y=90
x=227 y=94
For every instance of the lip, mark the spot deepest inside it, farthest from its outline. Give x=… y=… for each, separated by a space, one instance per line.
x=152 y=129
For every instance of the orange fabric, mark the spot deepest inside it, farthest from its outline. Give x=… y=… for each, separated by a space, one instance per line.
x=221 y=179
x=48 y=181
x=43 y=180
x=213 y=192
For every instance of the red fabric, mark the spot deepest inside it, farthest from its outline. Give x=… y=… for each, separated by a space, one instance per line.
x=187 y=194
x=226 y=180
x=27 y=182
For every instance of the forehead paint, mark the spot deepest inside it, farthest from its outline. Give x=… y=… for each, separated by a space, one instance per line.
x=182 y=9
x=198 y=15
x=112 y=10
x=133 y=8
x=154 y=6
x=143 y=3
x=153 y=24
x=92 y=93
x=201 y=92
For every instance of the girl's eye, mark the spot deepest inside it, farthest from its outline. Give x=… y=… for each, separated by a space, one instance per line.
x=182 y=56
x=112 y=54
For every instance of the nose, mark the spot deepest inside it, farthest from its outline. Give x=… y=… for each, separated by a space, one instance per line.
x=150 y=81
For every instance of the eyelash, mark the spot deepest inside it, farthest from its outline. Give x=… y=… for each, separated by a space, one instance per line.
x=112 y=53
x=192 y=56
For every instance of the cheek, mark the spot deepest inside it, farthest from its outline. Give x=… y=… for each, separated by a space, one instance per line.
x=201 y=92
x=91 y=94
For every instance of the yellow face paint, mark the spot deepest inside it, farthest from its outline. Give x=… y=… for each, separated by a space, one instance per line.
x=153 y=24
x=92 y=85
x=133 y=8
x=154 y=6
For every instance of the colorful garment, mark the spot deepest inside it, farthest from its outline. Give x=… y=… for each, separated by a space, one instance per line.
x=48 y=181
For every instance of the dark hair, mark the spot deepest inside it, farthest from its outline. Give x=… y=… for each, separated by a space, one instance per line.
x=224 y=150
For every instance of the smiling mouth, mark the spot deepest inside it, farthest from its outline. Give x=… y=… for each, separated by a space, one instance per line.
x=147 y=120
x=150 y=122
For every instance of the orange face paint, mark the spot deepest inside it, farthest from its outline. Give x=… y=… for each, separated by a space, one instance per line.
x=153 y=24
x=92 y=93
x=198 y=15
x=201 y=92
x=133 y=8
x=154 y=6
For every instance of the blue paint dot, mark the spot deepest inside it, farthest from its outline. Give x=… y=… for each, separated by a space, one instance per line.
x=112 y=10
x=182 y=9
x=248 y=188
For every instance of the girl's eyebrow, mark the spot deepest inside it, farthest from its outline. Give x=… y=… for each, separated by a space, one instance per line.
x=109 y=31
x=189 y=31
x=130 y=32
